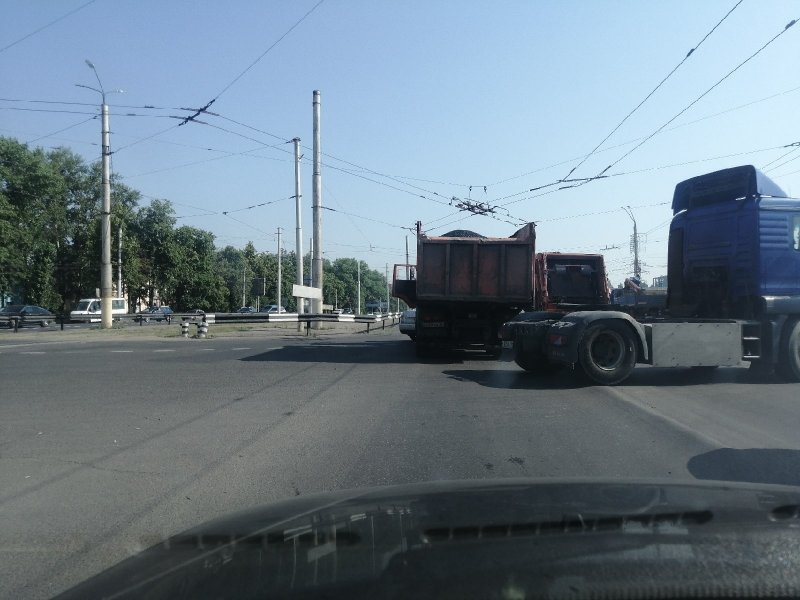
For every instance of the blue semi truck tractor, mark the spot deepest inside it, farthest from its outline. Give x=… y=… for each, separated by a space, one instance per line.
x=733 y=296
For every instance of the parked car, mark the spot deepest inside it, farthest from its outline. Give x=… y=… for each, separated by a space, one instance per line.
x=246 y=310
x=88 y=309
x=25 y=314
x=195 y=315
x=154 y=313
x=408 y=323
x=272 y=308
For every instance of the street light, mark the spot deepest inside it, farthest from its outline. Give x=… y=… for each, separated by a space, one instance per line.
x=105 y=215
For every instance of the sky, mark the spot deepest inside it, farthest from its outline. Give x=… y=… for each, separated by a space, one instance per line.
x=425 y=107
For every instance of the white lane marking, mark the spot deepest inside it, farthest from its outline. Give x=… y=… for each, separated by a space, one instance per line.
x=206 y=349
x=165 y=350
x=241 y=348
x=32 y=352
x=122 y=351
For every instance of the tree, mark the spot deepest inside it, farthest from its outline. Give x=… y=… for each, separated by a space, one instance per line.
x=34 y=203
x=197 y=284
x=153 y=229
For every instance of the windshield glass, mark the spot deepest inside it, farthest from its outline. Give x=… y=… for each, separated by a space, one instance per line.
x=540 y=259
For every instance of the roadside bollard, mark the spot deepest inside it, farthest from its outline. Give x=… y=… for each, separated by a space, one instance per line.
x=202 y=330
x=185 y=329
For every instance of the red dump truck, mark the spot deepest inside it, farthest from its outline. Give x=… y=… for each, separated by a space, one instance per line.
x=465 y=286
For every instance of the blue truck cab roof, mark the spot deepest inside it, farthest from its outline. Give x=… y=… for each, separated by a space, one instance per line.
x=722 y=186
x=737 y=232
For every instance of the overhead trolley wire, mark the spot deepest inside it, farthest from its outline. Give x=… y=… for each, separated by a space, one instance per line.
x=42 y=137
x=654 y=90
x=43 y=27
x=267 y=51
x=701 y=96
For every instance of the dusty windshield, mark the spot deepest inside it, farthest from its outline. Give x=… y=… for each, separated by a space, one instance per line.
x=364 y=245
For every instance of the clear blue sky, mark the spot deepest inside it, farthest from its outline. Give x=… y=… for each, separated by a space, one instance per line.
x=438 y=95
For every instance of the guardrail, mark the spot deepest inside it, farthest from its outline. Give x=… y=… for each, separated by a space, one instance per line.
x=212 y=318
x=369 y=320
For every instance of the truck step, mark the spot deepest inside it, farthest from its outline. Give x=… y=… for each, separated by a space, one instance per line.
x=751 y=342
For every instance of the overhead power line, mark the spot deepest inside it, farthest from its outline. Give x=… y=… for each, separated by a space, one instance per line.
x=703 y=95
x=357 y=216
x=654 y=90
x=633 y=141
x=208 y=104
x=42 y=137
x=43 y=27
x=794 y=148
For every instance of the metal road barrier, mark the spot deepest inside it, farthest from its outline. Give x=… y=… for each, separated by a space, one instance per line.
x=371 y=320
x=210 y=318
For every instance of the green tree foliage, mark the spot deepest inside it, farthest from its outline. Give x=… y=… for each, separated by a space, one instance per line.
x=50 y=245
x=195 y=280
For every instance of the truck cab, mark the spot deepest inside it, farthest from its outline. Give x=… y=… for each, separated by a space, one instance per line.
x=733 y=293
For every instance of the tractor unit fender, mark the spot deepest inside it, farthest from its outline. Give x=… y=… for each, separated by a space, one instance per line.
x=520 y=325
x=564 y=336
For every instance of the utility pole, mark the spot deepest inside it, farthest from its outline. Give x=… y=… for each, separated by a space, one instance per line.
x=119 y=261
x=407 y=267
x=316 y=257
x=299 y=231
x=105 y=214
x=244 y=276
x=358 y=308
x=387 y=287
x=637 y=269
x=279 y=271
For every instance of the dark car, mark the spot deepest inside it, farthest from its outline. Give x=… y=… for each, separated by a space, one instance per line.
x=155 y=313
x=25 y=314
x=246 y=310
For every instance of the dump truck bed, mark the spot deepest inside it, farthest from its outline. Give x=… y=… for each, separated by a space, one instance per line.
x=476 y=269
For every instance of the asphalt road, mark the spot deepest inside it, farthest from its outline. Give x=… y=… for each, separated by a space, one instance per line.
x=107 y=444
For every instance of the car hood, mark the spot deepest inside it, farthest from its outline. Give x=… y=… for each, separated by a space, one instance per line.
x=570 y=538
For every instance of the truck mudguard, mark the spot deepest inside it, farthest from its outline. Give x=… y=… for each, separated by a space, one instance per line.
x=565 y=335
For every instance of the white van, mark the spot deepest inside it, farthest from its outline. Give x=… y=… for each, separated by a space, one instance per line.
x=88 y=309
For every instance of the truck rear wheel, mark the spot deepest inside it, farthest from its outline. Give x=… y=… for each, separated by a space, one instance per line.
x=607 y=352
x=789 y=358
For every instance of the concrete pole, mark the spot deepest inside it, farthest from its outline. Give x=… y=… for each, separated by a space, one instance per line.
x=105 y=226
x=119 y=262
x=358 y=308
x=316 y=258
x=637 y=269
x=388 y=308
x=407 y=272
x=299 y=230
x=244 y=276
x=279 y=271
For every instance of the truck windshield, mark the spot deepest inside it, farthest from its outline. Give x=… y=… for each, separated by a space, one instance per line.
x=574 y=282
